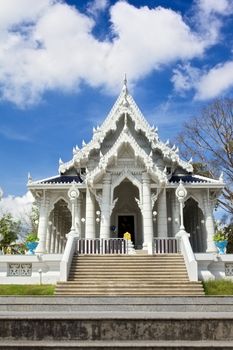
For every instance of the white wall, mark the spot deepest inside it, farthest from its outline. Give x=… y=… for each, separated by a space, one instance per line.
x=48 y=263
x=212 y=265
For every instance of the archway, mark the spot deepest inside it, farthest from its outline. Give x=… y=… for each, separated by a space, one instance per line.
x=126 y=216
x=194 y=225
x=60 y=219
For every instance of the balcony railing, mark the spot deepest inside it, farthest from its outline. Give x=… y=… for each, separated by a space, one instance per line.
x=165 y=245
x=102 y=246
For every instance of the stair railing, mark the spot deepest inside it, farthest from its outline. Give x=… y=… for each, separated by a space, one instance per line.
x=102 y=246
x=165 y=245
x=189 y=257
x=68 y=254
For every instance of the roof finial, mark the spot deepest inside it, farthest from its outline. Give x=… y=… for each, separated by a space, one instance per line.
x=125 y=80
x=125 y=88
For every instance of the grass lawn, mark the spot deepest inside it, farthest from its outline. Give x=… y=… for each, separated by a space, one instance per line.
x=27 y=289
x=219 y=287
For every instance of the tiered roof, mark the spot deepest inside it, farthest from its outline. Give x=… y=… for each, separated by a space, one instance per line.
x=127 y=107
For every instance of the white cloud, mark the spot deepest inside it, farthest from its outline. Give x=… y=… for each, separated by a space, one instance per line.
x=18 y=207
x=50 y=45
x=96 y=6
x=206 y=84
x=185 y=77
x=222 y=7
x=215 y=82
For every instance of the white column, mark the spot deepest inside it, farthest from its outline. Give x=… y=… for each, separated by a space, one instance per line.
x=53 y=239
x=175 y=215
x=147 y=211
x=105 y=208
x=209 y=225
x=61 y=245
x=78 y=215
x=48 y=238
x=90 y=215
x=57 y=243
x=162 y=214
x=42 y=228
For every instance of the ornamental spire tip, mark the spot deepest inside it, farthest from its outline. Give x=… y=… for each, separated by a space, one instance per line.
x=125 y=88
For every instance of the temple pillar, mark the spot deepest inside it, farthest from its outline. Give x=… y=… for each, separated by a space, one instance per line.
x=162 y=214
x=209 y=225
x=53 y=239
x=48 y=237
x=78 y=216
x=61 y=245
x=90 y=215
x=175 y=215
x=57 y=243
x=43 y=224
x=147 y=211
x=105 y=207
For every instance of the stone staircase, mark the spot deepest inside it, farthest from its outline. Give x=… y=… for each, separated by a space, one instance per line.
x=116 y=323
x=129 y=275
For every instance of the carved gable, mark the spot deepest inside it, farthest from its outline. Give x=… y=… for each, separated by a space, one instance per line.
x=125 y=139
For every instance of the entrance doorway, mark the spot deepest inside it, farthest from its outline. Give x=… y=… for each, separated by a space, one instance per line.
x=126 y=224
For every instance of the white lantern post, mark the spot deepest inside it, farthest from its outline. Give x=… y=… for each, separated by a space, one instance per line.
x=181 y=194
x=73 y=194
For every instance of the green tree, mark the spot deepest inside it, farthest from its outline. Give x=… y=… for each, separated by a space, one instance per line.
x=9 y=230
x=208 y=139
x=34 y=219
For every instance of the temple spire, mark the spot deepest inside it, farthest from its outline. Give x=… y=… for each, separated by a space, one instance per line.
x=125 y=88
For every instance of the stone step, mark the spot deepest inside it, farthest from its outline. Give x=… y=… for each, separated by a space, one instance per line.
x=129 y=293
x=126 y=289
x=124 y=264
x=112 y=304
x=132 y=283
x=110 y=286
x=122 y=345
x=127 y=274
x=128 y=257
x=126 y=292
x=128 y=270
x=161 y=257
x=125 y=328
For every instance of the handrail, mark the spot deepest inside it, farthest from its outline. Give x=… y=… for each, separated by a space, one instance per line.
x=189 y=257
x=165 y=245
x=68 y=254
x=102 y=246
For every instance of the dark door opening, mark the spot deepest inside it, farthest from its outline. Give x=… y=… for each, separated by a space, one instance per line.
x=126 y=224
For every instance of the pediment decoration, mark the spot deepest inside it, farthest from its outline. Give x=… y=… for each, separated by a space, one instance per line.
x=126 y=138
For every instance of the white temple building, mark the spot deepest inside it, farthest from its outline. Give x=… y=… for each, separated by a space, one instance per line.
x=124 y=180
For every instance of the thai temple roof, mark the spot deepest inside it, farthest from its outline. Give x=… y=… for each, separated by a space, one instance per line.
x=189 y=178
x=90 y=162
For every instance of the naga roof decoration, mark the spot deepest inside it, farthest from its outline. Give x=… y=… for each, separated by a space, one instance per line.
x=194 y=179
x=61 y=179
x=124 y=105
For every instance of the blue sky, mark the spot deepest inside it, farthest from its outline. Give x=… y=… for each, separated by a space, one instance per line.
x=62 y=65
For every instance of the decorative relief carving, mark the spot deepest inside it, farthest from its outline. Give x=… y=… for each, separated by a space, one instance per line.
x=154 y=197
x=229 y=269
x=139 y=203
x=16 y=269
x=26 y=269
x=97 y=196
x=138 y=151
x=113 y=205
